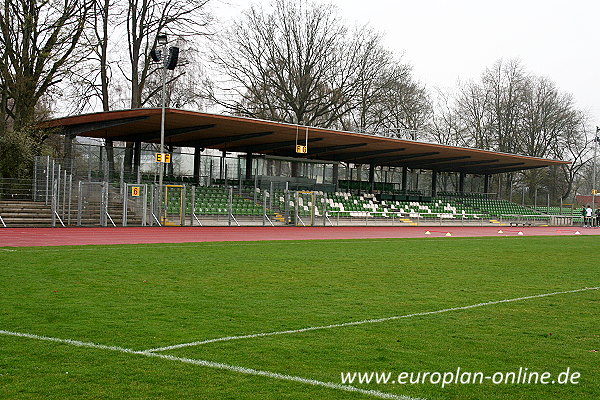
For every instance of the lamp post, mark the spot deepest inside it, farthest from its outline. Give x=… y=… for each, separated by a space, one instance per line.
x=168 y=61
x=162 y=41
x=596 y=140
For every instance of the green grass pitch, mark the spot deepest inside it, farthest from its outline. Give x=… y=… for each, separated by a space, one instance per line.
x=142 y=297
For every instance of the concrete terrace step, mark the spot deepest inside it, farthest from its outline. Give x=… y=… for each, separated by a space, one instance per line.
x=38 y=214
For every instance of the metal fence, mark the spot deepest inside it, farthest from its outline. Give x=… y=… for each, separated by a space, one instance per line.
x=71 y=201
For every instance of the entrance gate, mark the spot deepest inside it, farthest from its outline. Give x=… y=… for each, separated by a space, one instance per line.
x=174 y=205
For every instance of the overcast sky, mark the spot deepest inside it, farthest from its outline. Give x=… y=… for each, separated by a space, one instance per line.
x=450 y=40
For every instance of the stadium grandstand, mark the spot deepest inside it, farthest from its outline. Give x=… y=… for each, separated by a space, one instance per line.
x=229 y=170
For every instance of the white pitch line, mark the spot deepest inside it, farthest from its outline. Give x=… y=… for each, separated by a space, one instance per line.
x=211 y=364
x=366 y=321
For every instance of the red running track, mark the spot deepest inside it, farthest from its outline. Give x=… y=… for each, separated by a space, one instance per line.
x=18 y=237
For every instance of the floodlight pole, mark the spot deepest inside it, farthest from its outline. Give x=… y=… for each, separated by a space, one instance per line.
x=162 y=127
x=596 y=138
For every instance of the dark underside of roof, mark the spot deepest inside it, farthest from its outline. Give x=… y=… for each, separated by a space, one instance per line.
x=238 y=134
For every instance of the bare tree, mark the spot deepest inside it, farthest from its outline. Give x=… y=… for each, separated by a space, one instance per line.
x=374 y=64
x=296 y=62
x=447 y=125
x=145 y=19
x=574 y=146
x=404 y=102
x=40 y=43
x=472 y=106
x=513 y=111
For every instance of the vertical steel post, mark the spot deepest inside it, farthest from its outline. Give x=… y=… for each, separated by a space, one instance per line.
x=79 y=203
x=64 y=193
x=561 y=206
x=255 y=182
x=240 y=175
x=193 y=206
x=324 y=209
x=125 y=199
x=264 y=208
x=35 y=168
x=596 y=140
x=47 y=178
x=152 y=205
x=70 y=197
x=89 y=147
x=122 y=185
x=210 y=172
x=296 y=203
x=286 y=198
x=53 y=204
x=313 y=208
x=57 y=189
x=162 y=126
x=52 y=178
x=183 y=199
x=145 y=204
x=103 y=208
x=230 y=201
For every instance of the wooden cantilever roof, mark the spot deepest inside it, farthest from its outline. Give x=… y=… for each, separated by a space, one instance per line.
x=239 y=134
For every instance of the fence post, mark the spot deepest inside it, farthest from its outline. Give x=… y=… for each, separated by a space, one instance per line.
x=264 y=193
x=255 y=181
x=122 y=179
x=89 y=149
x=183 y=205
x=193 y=206
x=324 y=209
x=271 y=196
x=286 y=197
x=79 y=203
x=125 y=199
x=70 y=198
x=561 y=206
x=35 y=168
x=53 y=204
x=296 y=202
x=152 y=206
x=229 y=205
x=57 y=190
x=240 y=175
x=47 y=178
x=145 y=204
x=103 y=204
x=64 y=193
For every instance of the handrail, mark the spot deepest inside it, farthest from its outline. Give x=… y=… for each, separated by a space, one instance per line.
x=59 y=219
x=197 y=219
x=111 y=220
